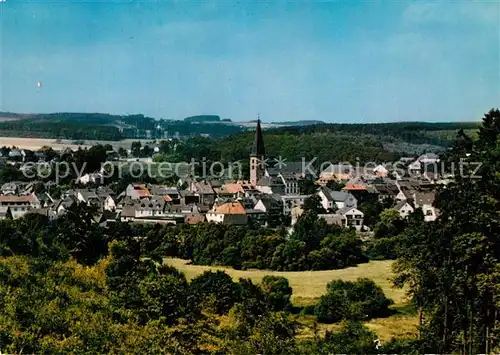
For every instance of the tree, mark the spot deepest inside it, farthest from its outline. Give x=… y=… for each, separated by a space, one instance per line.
x=391 y=224
x=4 y=151
x=335 y=185
x=215 y=291
x=164 y=147
x=122 y=152
x=146 y=151
x=163 y=296
x=273 y=333
x=352 y=338
x=136 y=149
x=10 y=173
x=85 y=240
x=371 y=210
x=140 y=287
x=307 y=186
x=358 y=300
x=313 y=204
x=278 y=292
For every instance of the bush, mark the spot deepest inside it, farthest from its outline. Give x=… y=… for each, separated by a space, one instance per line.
x=272 y=333
x=382 y=249
x=352 y=338
x=401 y=346
x=358 y=300
x=215 y=290
x=278 y=292
x=253 y=301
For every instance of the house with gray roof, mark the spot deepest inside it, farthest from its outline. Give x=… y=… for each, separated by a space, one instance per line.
x=203 y=190
x=271 y=185
x=386 y=191
x=332 y=200
x=88 y=196
x=404 y=209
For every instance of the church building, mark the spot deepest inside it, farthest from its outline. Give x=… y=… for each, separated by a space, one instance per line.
x=257 y=156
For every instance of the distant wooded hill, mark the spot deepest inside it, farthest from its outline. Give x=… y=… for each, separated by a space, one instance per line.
x=203 y=118
x=292 y=140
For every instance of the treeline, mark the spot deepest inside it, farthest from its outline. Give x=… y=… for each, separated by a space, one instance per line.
x=312 y=246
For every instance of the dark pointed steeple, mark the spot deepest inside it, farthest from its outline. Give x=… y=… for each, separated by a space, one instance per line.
x=258 y=144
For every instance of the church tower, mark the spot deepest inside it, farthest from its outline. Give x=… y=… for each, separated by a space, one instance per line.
x=257 y=156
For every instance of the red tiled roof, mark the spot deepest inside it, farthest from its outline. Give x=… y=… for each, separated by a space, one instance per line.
x=194 y=218
x=354 y=187
x=233 y=188
x=27 y=198
x=231 y=208
x=143 y=193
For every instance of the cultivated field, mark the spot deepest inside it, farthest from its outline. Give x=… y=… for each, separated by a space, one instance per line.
x=7 y=119
x=37 y=143
x=308 y=286
x=61 y=144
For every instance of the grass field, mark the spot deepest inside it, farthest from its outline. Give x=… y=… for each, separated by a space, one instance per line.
x=308 y=286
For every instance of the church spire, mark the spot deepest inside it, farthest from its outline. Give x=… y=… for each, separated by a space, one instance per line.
x=258 y=144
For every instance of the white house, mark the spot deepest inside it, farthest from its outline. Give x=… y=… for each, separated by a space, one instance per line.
x=88 y=197
x=109 y=204
x=90 y=178
x=351 y=217
x=229 y=213
x=404 y=209
x=137 y=191
x=291 y=184
x=345 y=217
x=415 y=167
x=19 y=205
x=425 y=201
x=340 y=199
x=380 y=171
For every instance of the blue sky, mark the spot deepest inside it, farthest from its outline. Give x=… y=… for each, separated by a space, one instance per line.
x=340 y=61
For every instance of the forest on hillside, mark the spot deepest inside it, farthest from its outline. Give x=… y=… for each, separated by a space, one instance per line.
x=216 y=140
